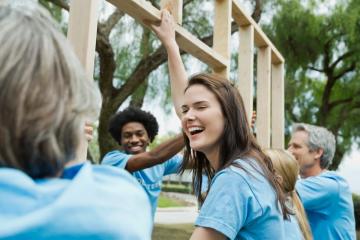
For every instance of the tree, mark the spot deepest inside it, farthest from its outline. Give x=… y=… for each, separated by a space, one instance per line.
x=124 y=69
x=322 y=53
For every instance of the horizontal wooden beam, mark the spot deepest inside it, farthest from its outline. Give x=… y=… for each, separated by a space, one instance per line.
x=261 y=40
x=175 y=7
x=142 y=10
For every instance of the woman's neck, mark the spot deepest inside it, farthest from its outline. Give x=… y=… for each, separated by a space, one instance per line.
x=214 y=158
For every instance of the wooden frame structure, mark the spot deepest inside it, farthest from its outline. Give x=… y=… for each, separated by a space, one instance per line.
x=270 y=63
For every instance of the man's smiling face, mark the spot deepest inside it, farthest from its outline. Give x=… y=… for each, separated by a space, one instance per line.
x=134 y=138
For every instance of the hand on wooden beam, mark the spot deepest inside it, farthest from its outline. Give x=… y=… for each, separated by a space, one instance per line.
x=178 y=75
x=166 y=30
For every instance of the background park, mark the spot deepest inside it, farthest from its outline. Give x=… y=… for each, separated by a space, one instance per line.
x=318 y=39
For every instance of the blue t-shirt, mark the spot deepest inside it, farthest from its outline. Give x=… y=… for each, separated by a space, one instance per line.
x=150 y=178
x=241 y=204
x=71 y=171
x=292 y=229
x=99 y=202
x=328 y=204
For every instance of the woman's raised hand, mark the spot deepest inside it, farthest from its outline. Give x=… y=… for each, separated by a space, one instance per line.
x=166 y=30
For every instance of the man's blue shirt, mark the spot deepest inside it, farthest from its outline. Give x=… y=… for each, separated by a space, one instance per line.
x=241 y=204
x=150 y=178
x=96 y=202
x=328 y=204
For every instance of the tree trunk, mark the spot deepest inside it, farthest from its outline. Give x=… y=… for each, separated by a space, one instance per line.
x=106 y=142
x=137 y=98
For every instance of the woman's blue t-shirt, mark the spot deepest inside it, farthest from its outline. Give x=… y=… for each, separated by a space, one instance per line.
x=241 y=204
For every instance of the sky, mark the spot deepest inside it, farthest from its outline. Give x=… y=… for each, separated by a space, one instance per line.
x=350 y=169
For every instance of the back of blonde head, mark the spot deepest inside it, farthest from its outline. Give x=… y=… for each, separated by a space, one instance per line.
x=44 y=94
x=288 y=168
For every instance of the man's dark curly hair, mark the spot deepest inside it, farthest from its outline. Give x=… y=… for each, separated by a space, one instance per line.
x=132 y=114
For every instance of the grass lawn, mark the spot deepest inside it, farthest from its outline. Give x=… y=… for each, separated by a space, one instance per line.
x=180 y=188
x=172 y=231
x=165 y=202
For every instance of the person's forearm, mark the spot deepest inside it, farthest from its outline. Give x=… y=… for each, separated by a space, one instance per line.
x=178 y=76
x=158 y=155
x=166 y=33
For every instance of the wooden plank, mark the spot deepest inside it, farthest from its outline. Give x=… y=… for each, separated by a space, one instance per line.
x=278 y=106
x=82 y=36
x=246 y=66
x=261 y=40
x=142 y=10
x=175 y=7
x=222 y=33
x=82 y=31
x=263 y=96
x=240 y=16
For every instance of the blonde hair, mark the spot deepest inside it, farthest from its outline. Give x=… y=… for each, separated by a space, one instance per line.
x=44 y=93
x=288 y=168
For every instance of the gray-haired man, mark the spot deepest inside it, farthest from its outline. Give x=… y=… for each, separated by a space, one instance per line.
x=325 y=194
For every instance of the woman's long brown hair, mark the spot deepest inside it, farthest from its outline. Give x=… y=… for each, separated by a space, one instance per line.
x=237 y=140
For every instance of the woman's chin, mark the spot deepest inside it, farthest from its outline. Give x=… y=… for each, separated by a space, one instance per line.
x=197 y=148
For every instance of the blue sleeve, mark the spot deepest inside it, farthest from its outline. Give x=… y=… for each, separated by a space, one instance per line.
x=116 y=159
x=317 y=193
x=226 y=206
x=173 y=165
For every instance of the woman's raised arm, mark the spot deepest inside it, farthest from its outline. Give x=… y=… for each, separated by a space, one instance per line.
x=178 y=76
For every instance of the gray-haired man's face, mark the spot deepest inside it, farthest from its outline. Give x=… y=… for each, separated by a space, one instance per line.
x=299 y=148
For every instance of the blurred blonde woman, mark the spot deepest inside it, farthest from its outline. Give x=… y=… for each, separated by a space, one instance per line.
x=288 y=169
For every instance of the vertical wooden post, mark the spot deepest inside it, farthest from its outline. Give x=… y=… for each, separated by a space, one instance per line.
x=277 y=106
x=175 y=7
x=82 y=35
x=246 y=66
x=263 y=96
x=82 y=31
x=222 y=33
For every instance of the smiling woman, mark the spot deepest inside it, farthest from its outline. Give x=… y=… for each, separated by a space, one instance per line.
x=244 y=199
x=198 y=111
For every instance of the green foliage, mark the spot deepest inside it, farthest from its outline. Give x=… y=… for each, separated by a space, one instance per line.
x=307 y=39
x=180 y=188
x=166 y=202
x=55 y=11
x=322 y=69
x=126 y=42
x=299 y=33
x=94 y=151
